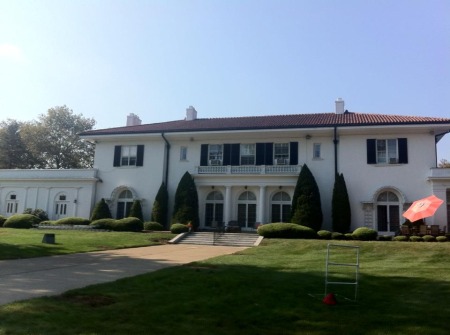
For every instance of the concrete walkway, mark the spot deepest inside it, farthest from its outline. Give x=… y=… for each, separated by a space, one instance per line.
x=44 y=276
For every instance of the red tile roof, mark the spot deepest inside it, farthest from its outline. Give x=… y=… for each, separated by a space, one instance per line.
x=271 y=122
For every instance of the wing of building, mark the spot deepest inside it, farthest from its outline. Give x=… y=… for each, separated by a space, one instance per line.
x=246 y=168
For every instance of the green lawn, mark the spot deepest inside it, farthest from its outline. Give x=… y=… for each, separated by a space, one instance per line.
x=26 y=243
x=275 y=288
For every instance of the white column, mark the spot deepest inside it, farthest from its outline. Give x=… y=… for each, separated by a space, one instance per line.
x=227 y=205
x=261 y=205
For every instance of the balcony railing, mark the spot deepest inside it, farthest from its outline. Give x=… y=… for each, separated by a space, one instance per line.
x=249 y=169
x=439 y=173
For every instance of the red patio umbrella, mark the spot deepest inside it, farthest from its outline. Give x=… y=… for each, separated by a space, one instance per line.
x=423 y=208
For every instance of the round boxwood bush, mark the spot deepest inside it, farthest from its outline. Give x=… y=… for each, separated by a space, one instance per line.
x=24 y=221
x=178 y=228
x=2 y=220
x=401 y=238
x=364 y=234
x=385 y=238
x=429 y=238
x=338 y=236
x=324 y=234
x=106 y=224
x=441 y=239
x=286 y=230
x=153 y=226
x=416 y=239
x=71 y=221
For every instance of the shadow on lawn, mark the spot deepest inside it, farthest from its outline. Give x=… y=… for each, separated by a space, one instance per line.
x=209 y=298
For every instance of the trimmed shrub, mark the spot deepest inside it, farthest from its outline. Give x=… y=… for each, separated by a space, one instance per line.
x=106 y=224
x=186 y=202
x=429 y=238
x=126 y=224
x=286 y=230
x=340 y=206
x=22 y=221
x=416 y=239
x=365 y=234
x=153 y=226
x=40 y=213
x=136 y=210
x=441 y=239
x=2 y=220
x=337 y=236
x=71 y=221
x=324 y=234
x=178 y=228
x=348 y=236
x=385 y=238
x=101 y=211
x=401 y=238
x=160 y=206
x=48 y=223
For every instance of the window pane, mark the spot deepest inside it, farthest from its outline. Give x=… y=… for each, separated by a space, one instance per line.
x=381 y=151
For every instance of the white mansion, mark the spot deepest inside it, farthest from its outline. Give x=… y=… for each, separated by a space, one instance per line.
x=246 y=168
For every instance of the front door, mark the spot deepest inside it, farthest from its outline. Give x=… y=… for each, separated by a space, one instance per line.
x=247 y=215
x=388 y=218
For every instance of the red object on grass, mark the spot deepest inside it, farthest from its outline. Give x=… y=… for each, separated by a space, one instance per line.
x=330 y=299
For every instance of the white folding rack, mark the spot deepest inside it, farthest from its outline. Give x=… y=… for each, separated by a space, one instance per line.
x=344 y=263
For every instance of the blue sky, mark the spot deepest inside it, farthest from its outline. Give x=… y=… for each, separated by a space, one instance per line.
x=108 y=58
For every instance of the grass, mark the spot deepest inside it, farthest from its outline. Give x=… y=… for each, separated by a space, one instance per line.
x=27 y=243
x=275 y=288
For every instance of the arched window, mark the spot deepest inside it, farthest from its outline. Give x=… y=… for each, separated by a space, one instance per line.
x=61 y=205
x=213 y=208
x=12 y=204
x=124 y=203
x=388 y=211
x=281 y=207
x=247 y=209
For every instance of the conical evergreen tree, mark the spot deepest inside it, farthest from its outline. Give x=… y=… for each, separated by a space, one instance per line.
x=101 y=211
x=186 y=202
x=340 y=211
x=136 y=210
x=160 y=206
x=306 y=205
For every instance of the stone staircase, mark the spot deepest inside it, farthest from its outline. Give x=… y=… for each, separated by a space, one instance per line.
x=225 y=239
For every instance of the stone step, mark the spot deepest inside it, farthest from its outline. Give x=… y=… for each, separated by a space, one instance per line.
x=225 y=239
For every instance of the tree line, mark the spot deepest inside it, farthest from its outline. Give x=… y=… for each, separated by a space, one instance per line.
x=50 y=142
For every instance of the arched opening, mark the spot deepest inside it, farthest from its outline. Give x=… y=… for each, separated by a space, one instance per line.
x=281 y=207
x=213 y=208
x=388 y=211
x=124 y=203
x=247 y=210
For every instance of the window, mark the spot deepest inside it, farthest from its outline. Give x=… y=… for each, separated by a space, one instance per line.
x=281 y=153
x=124 y=203
x=183 y=153
x=316 y=150
x=388 y=212
x=12 y=204
x=213 y=208
x=247 y=210
x=387 y=151
x=248 y=153
x=128 y=155
x=281 y=207
x=215 y=154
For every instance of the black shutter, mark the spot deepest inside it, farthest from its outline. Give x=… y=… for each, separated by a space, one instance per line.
x=269 y=154
x=226 y=154
x=204 y=155
x=117 y=154
x=140 y=155
x=293 y=150
x=371 y=151
x=235 y=154
x=403 y=151
x=260 y=153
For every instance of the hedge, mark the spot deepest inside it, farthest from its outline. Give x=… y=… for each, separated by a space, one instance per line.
x=286 y=230
x=73 y=221
x=153 y=226
x=178 y=228
x=126 y=224
x=2 y=220
x=23 y=221
x=324 y=234
x=364 y=234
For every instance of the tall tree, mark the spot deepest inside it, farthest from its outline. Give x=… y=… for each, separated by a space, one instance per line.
x=306 y=205
x=340 y=211
x=186 y=202
x=14 y=154
x=160 y=206
x=54 y=140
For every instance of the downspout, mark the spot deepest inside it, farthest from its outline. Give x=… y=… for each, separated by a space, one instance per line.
x=166 y=174
x=335 y=141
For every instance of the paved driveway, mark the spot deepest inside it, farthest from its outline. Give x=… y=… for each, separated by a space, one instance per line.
x=35 y=277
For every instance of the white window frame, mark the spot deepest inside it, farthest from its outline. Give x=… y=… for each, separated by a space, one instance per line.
x=387 y=151
x=317 y=150
x=281 y=153
x=128 y=155
x=183 y=153
x=12 y=204
x=248 y=154
x=215 y=154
